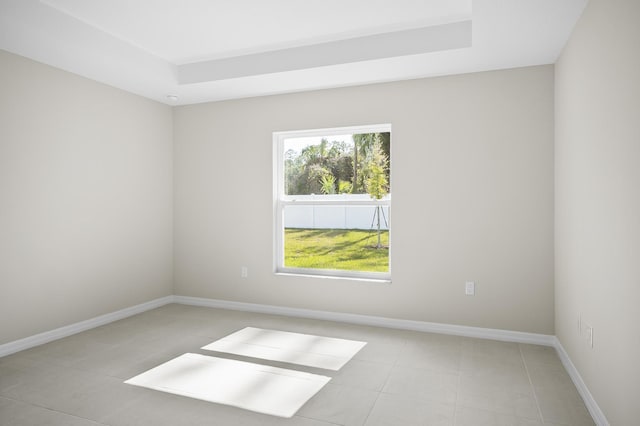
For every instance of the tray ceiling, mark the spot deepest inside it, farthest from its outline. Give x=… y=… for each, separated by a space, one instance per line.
x=208 y=50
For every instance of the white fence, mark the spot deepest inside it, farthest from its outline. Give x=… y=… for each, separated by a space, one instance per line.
x=334 y=216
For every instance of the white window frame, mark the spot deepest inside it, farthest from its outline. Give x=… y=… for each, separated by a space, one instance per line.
x=281 y=200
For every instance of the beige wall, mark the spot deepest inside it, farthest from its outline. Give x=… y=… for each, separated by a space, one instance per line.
x=472 y=160
x=86 y=190
x=85 y=199
x=598 y=203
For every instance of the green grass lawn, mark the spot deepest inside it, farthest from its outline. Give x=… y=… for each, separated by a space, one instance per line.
x=341 y=249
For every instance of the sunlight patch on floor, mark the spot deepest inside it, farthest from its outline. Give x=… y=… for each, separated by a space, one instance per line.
x=302 y=349
x=264 y=389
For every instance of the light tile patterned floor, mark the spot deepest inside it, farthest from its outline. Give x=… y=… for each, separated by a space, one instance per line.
x=399 y=378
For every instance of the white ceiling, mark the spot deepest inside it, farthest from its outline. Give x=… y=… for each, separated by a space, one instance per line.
x=207 y=50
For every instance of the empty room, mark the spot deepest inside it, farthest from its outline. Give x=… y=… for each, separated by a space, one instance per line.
x=408 y=212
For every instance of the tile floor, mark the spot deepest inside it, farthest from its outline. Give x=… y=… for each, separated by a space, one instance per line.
x=399 y=378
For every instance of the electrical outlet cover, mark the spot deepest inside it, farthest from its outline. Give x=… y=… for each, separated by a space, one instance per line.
x=470 y=288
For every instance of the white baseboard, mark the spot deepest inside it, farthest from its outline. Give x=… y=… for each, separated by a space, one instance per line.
x=68 y=330
x=429 y=327
x=595 y=411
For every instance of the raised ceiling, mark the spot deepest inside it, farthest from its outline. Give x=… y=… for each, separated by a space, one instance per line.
x=207 y=50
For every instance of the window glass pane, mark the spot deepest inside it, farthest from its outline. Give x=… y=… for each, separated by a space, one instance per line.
x=338 y=164
x=334 y=201
x=336 y=237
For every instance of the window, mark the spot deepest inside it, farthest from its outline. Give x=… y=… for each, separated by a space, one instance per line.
x=332 y=202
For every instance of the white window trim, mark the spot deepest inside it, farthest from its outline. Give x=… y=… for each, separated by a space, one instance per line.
x=281 y=200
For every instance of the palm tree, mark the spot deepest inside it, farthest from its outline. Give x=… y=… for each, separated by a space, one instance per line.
x=328 y=184
x=362 y=143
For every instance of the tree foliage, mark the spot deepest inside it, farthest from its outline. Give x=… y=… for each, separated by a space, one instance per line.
x=328 y=183
x=377 y=182
x=340 y=167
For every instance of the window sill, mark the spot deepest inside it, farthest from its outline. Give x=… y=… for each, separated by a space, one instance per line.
x=335 y=277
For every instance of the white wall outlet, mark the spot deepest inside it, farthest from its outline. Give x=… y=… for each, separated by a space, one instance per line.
x=244 y=272
x=470 y=288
